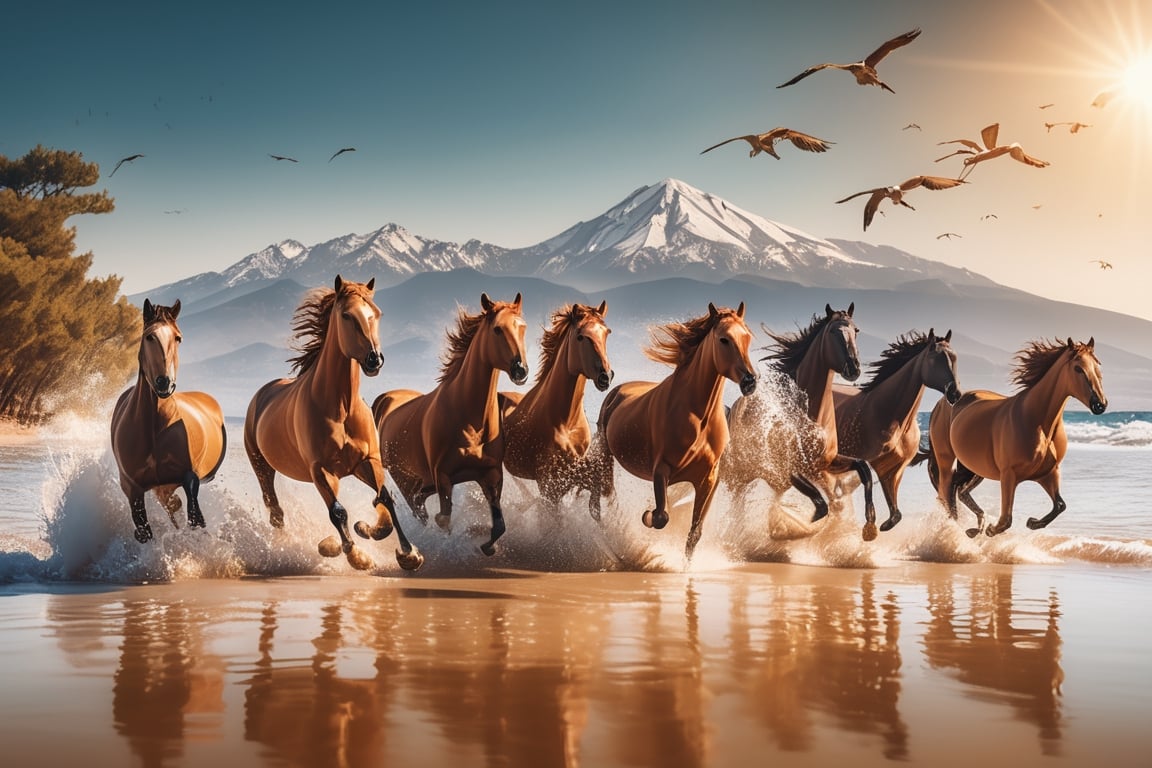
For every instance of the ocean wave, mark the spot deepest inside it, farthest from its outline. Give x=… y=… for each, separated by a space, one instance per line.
x=1135 y=433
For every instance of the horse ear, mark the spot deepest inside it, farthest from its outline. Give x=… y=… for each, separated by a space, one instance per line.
x=149 y=311
x=948 y=336
x=931 y=335
x=339 y=283
x=740 y=311
x=485 y=302
x=828 y=310
x=516 y=303
x=712 y=310
x=602 y=310
x=174 y=310
x=371 y=284
x=851 y=308
x=1071 y=344
x=1091 y=342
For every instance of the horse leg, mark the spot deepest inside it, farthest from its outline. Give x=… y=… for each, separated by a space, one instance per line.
x=266 y=476
x=889 y=483
x=371 y=473
x=444 y=494
x=809 y=489
x=964 y=481
x=1007 y=497
x=700 y=505
x=492 y=485
x=658 y=518
x=601 y=481
x=842 y=464
x=168 y=499
x=1051 y=484
x=327 y=484
x=192 y=491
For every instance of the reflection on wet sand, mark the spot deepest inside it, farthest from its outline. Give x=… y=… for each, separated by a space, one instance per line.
x=1007 y=648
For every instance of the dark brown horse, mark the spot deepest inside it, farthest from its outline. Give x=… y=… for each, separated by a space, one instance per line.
x=1016 y=437
x=163 y=438
x=877 y=421
x=316 y=428
x=546 y=432
x=432 y=442
x=674 y=431
x=801 y=452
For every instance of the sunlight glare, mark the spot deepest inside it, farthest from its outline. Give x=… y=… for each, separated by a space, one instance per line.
x=1136 y=81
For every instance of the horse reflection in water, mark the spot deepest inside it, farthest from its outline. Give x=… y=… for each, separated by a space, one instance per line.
x=164 y=439
x=1005 y=646
x=1014 y=438
x=800 y=452
x=546 y=430
x=674 y=431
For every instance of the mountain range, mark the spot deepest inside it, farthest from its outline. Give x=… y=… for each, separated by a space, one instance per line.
x=660 y=254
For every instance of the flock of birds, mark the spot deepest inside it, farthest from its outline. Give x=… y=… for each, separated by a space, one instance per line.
x=974 y=152
x=137 y=156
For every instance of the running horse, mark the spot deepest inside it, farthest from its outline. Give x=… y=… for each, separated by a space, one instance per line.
x=163 y=438
x=546 y=430
x=316 y=428
x=877 y=421
x=793 y=452
x=431 y=442
x=1013 y=438
x=674 y=431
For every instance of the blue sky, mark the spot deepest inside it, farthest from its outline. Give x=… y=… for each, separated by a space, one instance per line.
x=508 y=122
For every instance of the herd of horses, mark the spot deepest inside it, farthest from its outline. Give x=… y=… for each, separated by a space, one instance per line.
x=315 y=427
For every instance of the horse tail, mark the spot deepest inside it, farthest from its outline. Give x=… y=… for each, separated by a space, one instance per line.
x=223 y=450
x=377 y=407
x=927 y=454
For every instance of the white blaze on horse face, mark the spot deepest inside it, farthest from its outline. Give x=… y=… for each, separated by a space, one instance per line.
x=160 y=353
x=590 y=349
x=366 y=318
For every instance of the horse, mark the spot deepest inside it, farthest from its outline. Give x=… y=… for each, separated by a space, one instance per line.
x=791 y=452
x=163 y=438
x=877 y=421
x=674 y=431
x=546 y=430
x=453 y=434
x=316 y=428
x=1013 y=438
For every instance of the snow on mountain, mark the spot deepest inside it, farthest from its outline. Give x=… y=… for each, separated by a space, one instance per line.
x=270 y=263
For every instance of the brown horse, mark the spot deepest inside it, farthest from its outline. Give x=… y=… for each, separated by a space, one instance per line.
x=163 y=438
x=793 y=451
x=674 y=431
x=316 y=428
x=1017 y=437
x=877 y=421
x=546 y=430
x=452 y=434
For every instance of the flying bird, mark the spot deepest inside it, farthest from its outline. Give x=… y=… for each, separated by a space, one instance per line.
x=896 y=194
x=764 y=142
x=1103 y=264
x=912 y=125
x=128 y=159
x=1045 y=106
x=948 y=235
x=864 y=71
x=177 y=211
x=289 y=159
x=989 y=216
x=1101 y=99
x=340 y=152
x=1073 y=127
x=977 y=154
x=1038 y=206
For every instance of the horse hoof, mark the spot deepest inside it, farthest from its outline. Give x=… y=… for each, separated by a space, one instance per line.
x=869 y=531
x=276 y=519
x=659 y=521
x=820 y=513
x=488 y=548
x=196 y=522
x=330 y=547
x=143 y=533
x=973 y=532
x=890 y=523
x=410 y=561
x=378 y=533
x=445 y=523
x=358 y=559
x=595 y=513
x=1034 y=523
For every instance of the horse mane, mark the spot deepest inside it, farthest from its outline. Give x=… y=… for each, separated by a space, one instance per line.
x=789 y=349
x=676 y=343
x=892 y=359
x=1037 y=359
x=310 y=322
x=458 y=343
x=160 y=314
x=562 y=320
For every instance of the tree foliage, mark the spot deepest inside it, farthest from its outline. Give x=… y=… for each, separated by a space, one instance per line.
x=66 y=341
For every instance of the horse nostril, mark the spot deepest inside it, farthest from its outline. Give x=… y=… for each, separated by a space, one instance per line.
x=747 y=384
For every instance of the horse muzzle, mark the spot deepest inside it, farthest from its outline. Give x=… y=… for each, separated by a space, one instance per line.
x=372 y=363
x=604 y=379
x=951 y=393
x=747 y=383
x=164 y=387
x=851 y=370
x=518 y=372
x=1096 y=405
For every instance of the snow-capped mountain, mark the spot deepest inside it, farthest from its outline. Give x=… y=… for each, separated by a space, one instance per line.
x=670 y=229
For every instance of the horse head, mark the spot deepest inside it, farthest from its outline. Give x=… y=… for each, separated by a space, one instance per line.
x=503 y=344
x=159 y=354
x=1087 y=384
x=729 y=340
x=838 y=345
x=939 y=367
x=588 y=355
x=357 y=324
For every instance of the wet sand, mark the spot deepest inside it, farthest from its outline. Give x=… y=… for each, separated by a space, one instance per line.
x=759 y=664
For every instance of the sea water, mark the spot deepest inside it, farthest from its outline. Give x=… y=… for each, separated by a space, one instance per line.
x=64 y=517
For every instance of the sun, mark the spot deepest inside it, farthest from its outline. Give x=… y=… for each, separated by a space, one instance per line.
x=1135 y=82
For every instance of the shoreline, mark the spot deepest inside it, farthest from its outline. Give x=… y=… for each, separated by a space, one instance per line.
x=12 y=433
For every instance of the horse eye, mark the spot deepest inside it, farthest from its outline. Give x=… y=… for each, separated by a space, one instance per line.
x=179 y=339
x=346 y=315
x=151 y=337
x=499 y=331
x=723 y=339
x=581 y=337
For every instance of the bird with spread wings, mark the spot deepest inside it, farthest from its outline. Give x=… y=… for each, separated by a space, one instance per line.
x=977 y=154
x=123 y=160
x=764 y=142
x=864 y=71
x=1103 y=264
x=340 y=152
x=896 y=194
